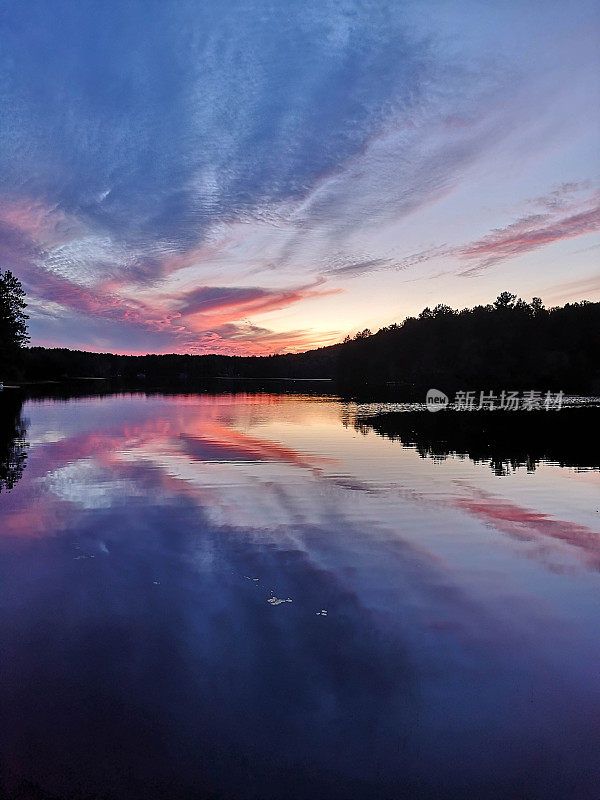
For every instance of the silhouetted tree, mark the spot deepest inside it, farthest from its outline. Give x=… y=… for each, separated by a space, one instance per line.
x=13 y=321
x=363 y=334
x=505 y=300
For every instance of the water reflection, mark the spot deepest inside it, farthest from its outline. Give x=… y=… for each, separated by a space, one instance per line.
x=142 y=657
x=506 y=441
x=13 y=445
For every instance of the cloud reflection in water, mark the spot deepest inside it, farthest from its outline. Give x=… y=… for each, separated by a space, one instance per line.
x=449 y=657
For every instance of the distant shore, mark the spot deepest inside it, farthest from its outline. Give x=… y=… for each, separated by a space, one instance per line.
x=507 y=345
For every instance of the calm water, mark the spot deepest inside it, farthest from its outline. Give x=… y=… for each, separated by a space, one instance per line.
x=141 y=658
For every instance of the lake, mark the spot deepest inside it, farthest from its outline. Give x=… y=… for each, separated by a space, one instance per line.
x=274 y=596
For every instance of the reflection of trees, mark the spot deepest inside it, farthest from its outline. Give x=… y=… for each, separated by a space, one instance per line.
x=506 y=440
x=13 y=447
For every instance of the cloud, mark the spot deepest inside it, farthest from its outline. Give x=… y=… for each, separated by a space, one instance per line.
x=564 y=215
x=243 y=338
x=562 y=196
x=205 y=320
x=136 y=132
x=353 y=269
x=357 y=268
x=157 y=155
x=581 y=288
x=530 y=233
x=207 y=300
x=152 y=121
x=79 y=277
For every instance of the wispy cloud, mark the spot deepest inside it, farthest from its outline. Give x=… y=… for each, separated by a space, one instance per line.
x=565 y=215
x=530 y=233
x=170 y=169
x=581 y=288
x=161 y=122
x=207 y=300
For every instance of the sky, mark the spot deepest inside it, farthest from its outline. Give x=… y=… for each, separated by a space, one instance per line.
x=255 y=177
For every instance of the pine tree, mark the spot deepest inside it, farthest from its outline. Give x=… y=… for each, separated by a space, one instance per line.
x=13 y=321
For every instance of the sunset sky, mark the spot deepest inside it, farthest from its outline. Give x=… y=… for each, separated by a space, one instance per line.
x=257 y=177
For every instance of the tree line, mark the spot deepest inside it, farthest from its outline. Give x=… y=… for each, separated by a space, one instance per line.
x=507 y=344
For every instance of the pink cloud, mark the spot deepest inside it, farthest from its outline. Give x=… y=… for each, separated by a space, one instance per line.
x=221 y=327
x=239 y=338
x=205 y=319
x=215 y=306
x=98 y=303
x=563 y=215
x=41 y=223
x=530 y=233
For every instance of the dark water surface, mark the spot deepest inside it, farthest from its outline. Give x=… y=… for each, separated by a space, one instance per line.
x=144 y=537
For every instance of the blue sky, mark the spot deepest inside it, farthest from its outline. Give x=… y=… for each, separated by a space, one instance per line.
x=255 y=177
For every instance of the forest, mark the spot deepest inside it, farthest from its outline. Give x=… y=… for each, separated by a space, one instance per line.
x=507 y=344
